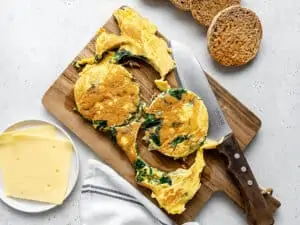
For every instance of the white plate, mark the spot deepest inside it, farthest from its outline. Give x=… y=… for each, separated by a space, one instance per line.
x=32 y=206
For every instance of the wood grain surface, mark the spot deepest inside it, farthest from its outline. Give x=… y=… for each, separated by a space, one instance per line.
x=59 y=101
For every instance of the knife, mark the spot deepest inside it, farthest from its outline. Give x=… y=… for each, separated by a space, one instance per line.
x=190 y=75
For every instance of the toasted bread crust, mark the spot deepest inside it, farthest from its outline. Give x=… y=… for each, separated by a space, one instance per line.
x=204 y=11
x=184 y=5
x=234 y=36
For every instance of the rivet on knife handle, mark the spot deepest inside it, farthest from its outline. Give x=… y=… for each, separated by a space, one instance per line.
x=256 y=207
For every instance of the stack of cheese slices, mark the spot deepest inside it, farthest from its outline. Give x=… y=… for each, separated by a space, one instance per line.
x=35 y=164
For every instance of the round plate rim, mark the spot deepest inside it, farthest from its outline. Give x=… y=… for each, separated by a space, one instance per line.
x=51 y=206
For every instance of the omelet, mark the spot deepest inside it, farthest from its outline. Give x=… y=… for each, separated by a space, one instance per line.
x=106 y=94
x=176 y=123
x=126 y=137
x=162 y=85
x=171 y=190
x=132 y=24
x=174 y=189
x=80 y=64
x=157 y=52
x=105 y=42
x=109 y=41
x=147 y=45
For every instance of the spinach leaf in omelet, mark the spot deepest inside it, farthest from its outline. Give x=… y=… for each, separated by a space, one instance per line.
x=178 y=140
x=112 y=133
x=151 y=121
x=155 y=138
x=139 y=164
x=145 y=173
x=122 y=55
x=140 y=172
x=136 y=115
x=177 y=92
x=99 y=124
x=165 y=180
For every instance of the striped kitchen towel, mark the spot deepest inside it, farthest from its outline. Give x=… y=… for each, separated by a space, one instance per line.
x=108 y=199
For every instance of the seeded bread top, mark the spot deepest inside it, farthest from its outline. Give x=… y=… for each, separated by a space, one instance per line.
x=234 y=36
x=204 y=11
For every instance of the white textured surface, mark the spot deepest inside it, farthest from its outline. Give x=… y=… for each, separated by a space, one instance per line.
x=38 y=39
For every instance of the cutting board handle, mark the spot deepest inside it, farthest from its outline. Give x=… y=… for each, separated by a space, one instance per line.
x=258 y=212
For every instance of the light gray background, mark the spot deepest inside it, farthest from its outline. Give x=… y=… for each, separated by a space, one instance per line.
x=39 y=38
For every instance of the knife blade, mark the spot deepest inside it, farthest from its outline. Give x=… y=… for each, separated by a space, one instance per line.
x=191 y=76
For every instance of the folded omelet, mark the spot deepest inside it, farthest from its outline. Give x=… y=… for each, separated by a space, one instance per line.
x=105 y=42
x=176 y=123
x=172 y=190
x=146 y=43
x=132 y=24
x=108 y=41
x=106 y=94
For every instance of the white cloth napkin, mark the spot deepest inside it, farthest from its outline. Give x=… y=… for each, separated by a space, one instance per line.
x=108 y=199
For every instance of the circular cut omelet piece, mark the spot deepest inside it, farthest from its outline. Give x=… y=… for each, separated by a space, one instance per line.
x=106 y=94
x=234 y=36
x=176 y=123
x=204 y=11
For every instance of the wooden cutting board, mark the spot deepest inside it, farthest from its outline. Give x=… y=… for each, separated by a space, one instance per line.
x=59 y=101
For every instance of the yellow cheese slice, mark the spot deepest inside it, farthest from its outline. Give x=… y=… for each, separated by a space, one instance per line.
x=43 y=131
x=36 y=168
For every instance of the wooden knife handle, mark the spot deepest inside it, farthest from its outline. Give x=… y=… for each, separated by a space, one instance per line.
x=256 y=207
